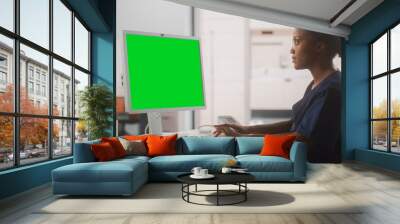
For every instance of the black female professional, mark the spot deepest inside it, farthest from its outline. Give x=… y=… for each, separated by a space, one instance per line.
x=316 y=117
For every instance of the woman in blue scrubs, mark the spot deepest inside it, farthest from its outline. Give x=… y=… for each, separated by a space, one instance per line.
x=316 y=117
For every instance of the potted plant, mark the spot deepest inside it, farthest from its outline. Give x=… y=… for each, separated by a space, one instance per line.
x=96 y=103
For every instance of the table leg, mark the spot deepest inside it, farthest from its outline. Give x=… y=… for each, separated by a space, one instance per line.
x=217 y=194
x=188 y=190
x=196 y=188
x=182 y=189
x=245 y=193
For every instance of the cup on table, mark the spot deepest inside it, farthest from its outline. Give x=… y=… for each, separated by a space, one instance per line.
x=226 y=170
x=203 y=172
x=196 y=171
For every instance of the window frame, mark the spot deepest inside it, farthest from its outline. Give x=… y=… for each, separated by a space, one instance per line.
x=16 y=114
x=3 y=74
x=5 y=58
x=388 y=74
x=3 y=70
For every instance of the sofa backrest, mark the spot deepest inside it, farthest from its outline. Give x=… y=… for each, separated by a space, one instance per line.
x=192 y=145
x=249 y=145
x=83 y=152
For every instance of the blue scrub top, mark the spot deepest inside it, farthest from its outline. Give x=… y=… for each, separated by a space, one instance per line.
x=317 y=117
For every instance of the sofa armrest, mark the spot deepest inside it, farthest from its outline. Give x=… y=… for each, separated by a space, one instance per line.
x=298 y=155
x=83 y=152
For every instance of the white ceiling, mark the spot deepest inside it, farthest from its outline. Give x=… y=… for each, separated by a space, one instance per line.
x=320 y=9
x=314 y=15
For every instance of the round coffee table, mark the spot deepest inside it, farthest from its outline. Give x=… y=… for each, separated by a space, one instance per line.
x=238 y=179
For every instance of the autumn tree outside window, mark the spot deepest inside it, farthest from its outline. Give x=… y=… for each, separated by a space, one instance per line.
x=44 y=64
x=385 y=91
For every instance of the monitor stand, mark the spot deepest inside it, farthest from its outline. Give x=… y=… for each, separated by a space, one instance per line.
x=154 y=121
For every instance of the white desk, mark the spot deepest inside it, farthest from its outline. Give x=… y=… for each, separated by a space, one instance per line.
x=192 y=132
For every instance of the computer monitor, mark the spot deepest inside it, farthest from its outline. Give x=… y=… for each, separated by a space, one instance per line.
x=163 y=73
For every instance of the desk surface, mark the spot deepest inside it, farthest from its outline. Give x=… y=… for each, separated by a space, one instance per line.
x=192 y=132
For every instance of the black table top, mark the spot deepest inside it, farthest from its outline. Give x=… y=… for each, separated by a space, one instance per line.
x=220 y=178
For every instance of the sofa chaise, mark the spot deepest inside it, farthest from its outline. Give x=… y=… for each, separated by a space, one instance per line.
x=125 y=176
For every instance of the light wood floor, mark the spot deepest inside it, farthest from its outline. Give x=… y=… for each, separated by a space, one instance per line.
x=377 y=188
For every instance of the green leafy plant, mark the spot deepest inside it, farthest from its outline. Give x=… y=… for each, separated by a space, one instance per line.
x=96 y=103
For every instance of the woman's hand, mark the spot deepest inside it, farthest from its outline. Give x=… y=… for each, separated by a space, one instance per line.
x=228 y=130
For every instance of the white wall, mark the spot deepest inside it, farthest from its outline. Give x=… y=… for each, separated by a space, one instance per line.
x=274 y=83
x=226 y=56
x=156 y=16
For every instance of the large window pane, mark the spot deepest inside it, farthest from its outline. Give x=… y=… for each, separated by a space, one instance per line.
x=62 y=29
x=6 y=74
x=34 y=96
x=81 y=45
x=379 y=55
x=395 y=136
x=33 y=139
x=35 y=21
x=395 y=94
x=379 y=135
x=7 y=14
x=81 y=81
x=395 y=47
x=379 y=97
x=34 y=81
x=6 y=142
x=62 y=138
x=62 y=89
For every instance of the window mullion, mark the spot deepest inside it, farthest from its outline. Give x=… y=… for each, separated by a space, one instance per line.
x=89 y=54
x=16 y=84
x=50 y=81
x=389 y=106
x=73 y=82
x=371 y=137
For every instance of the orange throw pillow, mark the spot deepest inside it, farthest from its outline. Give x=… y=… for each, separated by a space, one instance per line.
x=277 y=145
x=103 y=152
x=135 y=137
x=116 y=145
x=161 y=145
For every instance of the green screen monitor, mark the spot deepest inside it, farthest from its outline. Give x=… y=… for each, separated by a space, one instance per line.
x=164 y=73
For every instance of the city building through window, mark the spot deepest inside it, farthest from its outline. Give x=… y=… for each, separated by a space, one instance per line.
x=43 y=86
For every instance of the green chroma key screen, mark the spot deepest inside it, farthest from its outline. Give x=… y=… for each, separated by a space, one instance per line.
x=164 y=72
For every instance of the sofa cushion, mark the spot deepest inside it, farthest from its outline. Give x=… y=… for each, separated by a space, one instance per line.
x=103 y=152
x=111 y=171
x=278 y=145
x=135 y=137
x=159 y=145
x=116 y=145
x=257 y=163
x=185 y=163
x=197 y=145
x=134 y=147
x=249 y=145
x=133 y=158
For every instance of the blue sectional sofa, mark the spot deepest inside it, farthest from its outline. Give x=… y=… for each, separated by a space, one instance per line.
x=125 y=176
